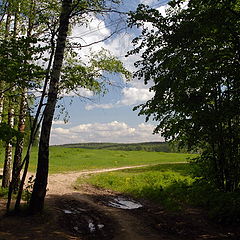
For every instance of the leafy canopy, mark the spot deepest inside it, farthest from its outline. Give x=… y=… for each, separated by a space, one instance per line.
x=192 y=57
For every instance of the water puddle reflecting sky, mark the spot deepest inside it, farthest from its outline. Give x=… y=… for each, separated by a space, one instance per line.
x=124 y=203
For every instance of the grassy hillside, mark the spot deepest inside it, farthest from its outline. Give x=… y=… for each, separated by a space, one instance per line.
x=146 y=146
x=75 y=159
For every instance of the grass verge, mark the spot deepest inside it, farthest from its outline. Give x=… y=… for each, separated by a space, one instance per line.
x=172 y=186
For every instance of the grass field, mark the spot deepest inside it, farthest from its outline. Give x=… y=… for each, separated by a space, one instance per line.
x=76 y=159
x=172 y=186
x=143 y=146
x=157 y=183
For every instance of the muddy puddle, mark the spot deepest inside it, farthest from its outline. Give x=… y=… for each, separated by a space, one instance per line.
x=124 y=203
x=80 y=219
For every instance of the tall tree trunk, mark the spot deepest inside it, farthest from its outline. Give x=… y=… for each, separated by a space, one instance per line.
x=8 y=150
x=9 y=147
x=34 y=131
x=7 y=163
x=1 y=100
x=40 y=185
x=20 y=141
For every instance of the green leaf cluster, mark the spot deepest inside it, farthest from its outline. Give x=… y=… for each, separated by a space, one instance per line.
x=17 y=58
x=92 y=75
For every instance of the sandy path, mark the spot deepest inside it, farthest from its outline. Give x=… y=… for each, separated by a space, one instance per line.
x=129 y=226
x=62 y=183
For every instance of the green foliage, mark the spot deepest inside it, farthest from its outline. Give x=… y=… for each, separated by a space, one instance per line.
x=3 y=192
x=16 y=60
x=104 y=61
x=7 y=133
x=76 y=74
x=192 y=57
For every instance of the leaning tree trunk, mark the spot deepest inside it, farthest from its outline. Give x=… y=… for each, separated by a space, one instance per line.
x=40 y=185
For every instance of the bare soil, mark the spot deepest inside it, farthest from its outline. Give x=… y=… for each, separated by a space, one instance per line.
x=85 y=214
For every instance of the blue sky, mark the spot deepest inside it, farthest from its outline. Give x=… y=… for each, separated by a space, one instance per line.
x=107 y=118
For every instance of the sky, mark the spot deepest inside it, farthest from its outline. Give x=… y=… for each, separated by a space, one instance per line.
x=108 y=118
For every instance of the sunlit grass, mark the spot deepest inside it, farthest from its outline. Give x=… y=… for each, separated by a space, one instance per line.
x=171 y=185
x=154 y=183
x=77 y=159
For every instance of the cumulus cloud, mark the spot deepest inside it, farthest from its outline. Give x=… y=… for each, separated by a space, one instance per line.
x=104 y=132
x=134 y=95
x=93 y=31
x=83 y=92
x=130 y=96
x=119 y=46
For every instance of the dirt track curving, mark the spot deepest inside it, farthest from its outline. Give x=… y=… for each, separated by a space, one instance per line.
x=85 y=214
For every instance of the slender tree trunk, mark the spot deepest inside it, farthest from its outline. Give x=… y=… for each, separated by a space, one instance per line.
x=7 y=163
x=1 y=100
x=20 y=141
x=8 y=150
x=40 y=185
x=34 y=130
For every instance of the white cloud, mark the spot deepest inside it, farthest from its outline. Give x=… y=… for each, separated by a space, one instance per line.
x=102 y=106
x=83 y=92
x=148 y=2
x=59 y=122
x=119 y=46
x=93 y=31
x=130 y=96
x=134 y=95
x=163 y=10
x=104 y=132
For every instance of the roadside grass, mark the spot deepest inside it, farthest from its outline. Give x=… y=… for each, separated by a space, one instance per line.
x=77 y=159
x=172 y=186
x=155 y=183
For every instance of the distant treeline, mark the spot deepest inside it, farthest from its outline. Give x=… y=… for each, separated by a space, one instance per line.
x=146 y=146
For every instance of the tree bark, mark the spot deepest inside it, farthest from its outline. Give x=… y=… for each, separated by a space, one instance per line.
x=1 y=100
x=40 y=185
x=8 y=157
x=8 y=150
x=20 y=142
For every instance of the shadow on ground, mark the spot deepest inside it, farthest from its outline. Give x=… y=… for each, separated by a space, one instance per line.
x=88 y=216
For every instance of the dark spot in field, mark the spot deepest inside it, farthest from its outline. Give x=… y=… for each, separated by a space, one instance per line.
x=80 y=219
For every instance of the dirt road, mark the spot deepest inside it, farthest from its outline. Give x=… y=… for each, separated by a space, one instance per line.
x=90 y=213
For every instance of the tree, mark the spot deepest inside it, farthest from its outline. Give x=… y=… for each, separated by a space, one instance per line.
x=192 y=56
x=20 y=56
x=68 y=77
x=40 y=185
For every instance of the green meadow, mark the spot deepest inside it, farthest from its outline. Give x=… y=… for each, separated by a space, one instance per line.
x=76 y=159
x=165 y=183
x=171 y=185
